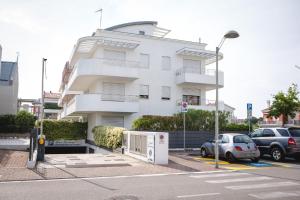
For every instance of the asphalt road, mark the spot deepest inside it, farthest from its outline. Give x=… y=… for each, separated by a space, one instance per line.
x=263 y=183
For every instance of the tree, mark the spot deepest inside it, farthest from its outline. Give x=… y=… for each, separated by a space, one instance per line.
x=285 y=105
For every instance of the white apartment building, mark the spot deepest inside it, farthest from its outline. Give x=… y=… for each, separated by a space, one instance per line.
x=9 y=84
x=123 y=72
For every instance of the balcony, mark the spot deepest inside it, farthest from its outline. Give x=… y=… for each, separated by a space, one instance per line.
x=87 y=71
x=85 y=103
x=188 y=76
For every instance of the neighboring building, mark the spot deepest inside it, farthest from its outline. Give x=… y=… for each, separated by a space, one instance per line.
x=9 y=83
x=51 y=108
x=273 y=122
x=123 y=72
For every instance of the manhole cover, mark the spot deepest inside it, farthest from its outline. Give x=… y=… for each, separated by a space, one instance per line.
x=124 y=197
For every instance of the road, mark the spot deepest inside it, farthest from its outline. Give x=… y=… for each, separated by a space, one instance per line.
x=261 y=183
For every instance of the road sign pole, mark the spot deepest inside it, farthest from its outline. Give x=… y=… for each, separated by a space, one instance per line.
x=184 y=131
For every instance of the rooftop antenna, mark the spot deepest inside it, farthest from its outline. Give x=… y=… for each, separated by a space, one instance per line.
x=100 y=10
x=18 y=54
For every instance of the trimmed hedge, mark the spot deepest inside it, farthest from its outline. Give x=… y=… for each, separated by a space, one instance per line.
x=237 y=127
x=107 y=136
x=59 y=129
x=23 y=122
x=196 y=120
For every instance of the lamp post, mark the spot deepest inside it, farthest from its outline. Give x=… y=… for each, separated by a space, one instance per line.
x=42 y=100
x=230 y=34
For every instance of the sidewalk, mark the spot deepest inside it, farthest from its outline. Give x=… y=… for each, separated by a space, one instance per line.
x=13 y=166
x=100 y=165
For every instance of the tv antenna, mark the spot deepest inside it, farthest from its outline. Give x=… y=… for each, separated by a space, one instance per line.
x=100 y=10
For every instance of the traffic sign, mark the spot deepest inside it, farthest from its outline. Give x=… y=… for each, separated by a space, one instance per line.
x=249 y=110
x=184 y=106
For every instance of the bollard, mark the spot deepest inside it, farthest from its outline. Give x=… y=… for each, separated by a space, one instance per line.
x=41 y=148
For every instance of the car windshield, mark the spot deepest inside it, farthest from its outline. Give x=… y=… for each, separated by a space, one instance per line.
x=295 y=132
x=242 y=139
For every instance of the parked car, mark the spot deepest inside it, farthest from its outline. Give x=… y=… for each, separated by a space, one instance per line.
x=232 y=146
x=278 y=142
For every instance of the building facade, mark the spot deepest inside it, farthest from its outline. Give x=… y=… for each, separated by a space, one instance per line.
x=9 y=84
x=123 y=72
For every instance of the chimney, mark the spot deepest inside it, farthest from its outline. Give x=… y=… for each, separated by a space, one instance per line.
x=199 y=40
x=268 y=103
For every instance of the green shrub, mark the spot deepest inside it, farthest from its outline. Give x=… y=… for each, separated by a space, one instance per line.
x=59 y=129
x=51 y=106
x=23 y=122
x=107 y=136
x=237 y=127
x=196 y=120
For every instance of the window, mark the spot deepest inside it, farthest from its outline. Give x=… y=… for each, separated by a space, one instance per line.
x=191 y=99
x=225 y=139
x=144 y=58
x=268 y=133
x=166 y=63
x=113 y=92
x=165 y=93
x=283 y=132
x=242 y=139
x=257 y=133
x=295 y=132
x=141 y=32
x=144 y=91
x=192 y=66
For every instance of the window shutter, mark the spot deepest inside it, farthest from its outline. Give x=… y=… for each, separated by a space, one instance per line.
x=166 y=92
x=193 y=66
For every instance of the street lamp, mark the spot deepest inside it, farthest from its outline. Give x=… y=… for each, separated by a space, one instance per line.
x=42 y=100
x=229 y=35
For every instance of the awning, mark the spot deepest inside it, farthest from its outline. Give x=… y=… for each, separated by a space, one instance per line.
x=209 y=56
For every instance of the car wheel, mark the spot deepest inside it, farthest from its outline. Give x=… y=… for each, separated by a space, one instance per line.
x=229 y=157
x=203 y=153
x=255 y=159
x=277 y=154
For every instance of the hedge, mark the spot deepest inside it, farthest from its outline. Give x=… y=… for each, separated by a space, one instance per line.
x=107 y=136
x=196 y=120
x=59 y=129
x=237 y=127
x=23 y=122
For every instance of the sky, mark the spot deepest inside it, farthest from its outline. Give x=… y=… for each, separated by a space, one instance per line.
x=256 y=65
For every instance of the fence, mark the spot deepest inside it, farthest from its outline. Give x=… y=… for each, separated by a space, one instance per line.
x=193 y=139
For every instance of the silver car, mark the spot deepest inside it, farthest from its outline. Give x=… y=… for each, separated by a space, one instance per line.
x=232 y=146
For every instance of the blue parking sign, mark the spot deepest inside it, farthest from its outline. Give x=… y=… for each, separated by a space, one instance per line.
x=249 y=106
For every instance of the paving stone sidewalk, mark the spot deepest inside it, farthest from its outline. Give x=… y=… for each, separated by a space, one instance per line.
x=13 y=166
x=100 y=165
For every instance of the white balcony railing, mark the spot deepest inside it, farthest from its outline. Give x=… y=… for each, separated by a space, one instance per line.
x=107 y=62
x=209 y=72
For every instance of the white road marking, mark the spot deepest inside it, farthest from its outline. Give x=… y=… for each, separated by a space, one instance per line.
x=197 y=195
x=274 y=195
x=117 y=177
x=240 y=179
x=263 y=185
x=218 y=175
